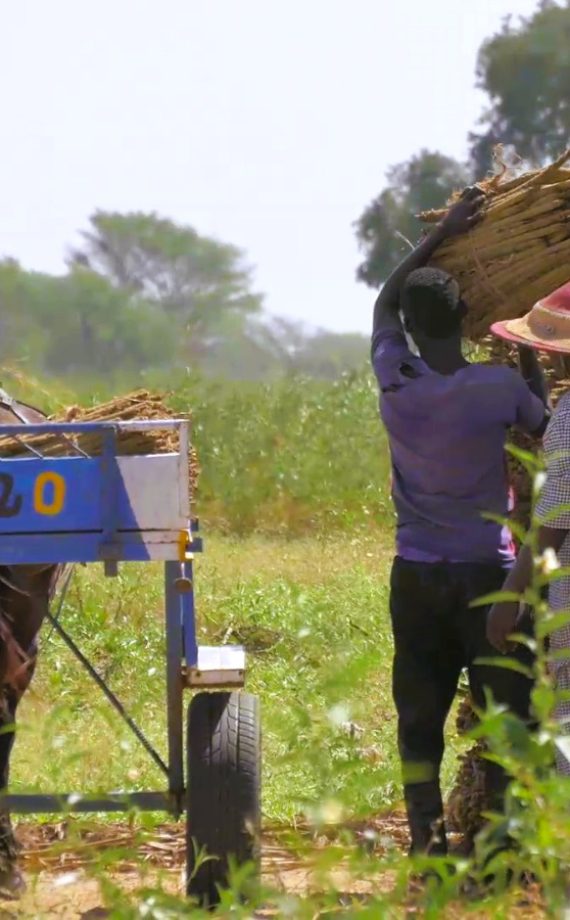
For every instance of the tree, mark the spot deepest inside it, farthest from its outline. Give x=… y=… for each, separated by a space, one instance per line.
x=79 y=323
x=426 y=181
x=20 y=336
x=195 y=280
x=243 y=350
x=330 y=354
x=525 y=71
x=99 y=329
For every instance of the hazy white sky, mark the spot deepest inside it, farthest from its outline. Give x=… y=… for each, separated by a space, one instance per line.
x=267 y=123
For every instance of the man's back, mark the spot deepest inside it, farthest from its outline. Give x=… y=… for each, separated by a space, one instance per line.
x=447 y=436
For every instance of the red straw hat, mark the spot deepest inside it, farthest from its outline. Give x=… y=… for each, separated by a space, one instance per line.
x=546 y=327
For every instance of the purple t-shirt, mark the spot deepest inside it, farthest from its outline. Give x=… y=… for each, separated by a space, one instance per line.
x=447 y=436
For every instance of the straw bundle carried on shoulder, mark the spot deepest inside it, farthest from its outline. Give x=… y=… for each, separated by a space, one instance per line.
x=519 y=252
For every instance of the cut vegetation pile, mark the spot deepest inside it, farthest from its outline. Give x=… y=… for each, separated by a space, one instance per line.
x=519 y=252
x=467 y=800
x=140 y=405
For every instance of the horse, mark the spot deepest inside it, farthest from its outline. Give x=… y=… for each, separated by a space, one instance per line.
x=25 y=595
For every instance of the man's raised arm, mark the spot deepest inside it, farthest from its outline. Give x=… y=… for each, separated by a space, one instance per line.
x=463 y=215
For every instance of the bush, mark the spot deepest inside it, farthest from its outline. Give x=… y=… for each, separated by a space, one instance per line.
x=289 y=457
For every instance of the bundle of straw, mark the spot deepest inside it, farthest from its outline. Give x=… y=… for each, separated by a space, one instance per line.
x=140 y=405
x=519 y=252
x=467 y=800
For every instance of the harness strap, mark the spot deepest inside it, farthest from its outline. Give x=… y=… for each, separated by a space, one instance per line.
x=15 y=407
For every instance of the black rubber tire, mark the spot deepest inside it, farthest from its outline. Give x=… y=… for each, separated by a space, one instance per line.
x=224 y=789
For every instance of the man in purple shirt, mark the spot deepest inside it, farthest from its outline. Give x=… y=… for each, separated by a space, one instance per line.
x=447 y=422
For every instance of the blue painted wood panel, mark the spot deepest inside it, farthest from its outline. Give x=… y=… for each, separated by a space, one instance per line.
x=68 y=494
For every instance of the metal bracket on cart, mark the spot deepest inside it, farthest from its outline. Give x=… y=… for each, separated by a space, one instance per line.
x=217 y=667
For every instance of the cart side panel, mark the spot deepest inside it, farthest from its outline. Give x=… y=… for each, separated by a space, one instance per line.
x=66 y=495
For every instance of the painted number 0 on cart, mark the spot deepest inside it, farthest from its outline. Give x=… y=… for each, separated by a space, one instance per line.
x=48 y=495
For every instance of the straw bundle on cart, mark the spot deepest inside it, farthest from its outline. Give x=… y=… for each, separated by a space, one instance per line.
x=519 y=252
x=140 y=405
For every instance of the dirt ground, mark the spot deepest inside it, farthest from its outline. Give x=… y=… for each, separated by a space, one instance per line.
x=64 y=867
x=58 y=861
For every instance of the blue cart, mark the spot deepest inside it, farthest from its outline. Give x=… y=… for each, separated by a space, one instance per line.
x=110 y=509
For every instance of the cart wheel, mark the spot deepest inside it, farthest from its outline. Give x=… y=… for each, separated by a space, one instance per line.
x=224 y=789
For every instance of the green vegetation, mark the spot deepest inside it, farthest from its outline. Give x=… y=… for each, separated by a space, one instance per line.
x=297 y=522
x=313 y=615
x=524 y=71
x=299 y=458
x=293 y=457
x=143 y=294
x=312 y=612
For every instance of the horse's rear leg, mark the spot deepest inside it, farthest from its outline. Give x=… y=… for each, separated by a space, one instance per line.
x=11 y=879
x=23 y=613
x=8 y=845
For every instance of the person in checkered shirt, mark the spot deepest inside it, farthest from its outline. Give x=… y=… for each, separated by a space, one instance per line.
x=546 y=328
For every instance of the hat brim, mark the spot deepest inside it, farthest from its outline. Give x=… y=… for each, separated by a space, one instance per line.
x=521 y=335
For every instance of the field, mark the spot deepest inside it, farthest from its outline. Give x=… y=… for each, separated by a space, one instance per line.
x=312 y=613
x=298 y=530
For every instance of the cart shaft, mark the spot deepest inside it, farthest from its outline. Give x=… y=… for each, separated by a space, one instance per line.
x=66 y=802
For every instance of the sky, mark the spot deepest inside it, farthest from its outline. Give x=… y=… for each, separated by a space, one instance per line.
x=268 y=124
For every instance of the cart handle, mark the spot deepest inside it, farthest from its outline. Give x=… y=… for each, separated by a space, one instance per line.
x=85 y=427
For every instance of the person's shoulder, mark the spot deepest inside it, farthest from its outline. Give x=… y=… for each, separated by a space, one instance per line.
x=495 y=374
x=559 y=425
x=497 y=371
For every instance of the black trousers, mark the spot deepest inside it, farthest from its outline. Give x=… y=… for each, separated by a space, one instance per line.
x=436 y=635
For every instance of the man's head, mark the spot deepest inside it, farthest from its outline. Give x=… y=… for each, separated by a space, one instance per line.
x=432 y=306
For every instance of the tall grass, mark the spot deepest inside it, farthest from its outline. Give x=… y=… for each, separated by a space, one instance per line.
x=306 y=459
x=313 y=616
x=292 y=457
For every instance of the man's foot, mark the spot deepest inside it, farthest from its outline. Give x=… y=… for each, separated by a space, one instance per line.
x=12 y=884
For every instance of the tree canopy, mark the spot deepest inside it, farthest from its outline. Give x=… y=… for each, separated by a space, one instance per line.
x=424 y=182
x=144 y=294
x=196 y=281
x=525 y=72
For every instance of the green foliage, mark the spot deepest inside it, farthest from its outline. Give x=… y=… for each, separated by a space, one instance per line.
x=195 y=280
x=313 y=616
x=525 y=72
x=102 y=329
x=265 y=348
x=146 y=295
x=307 y=621
x=425 y=181
x=292 y=457
x=79 y=324
x=330 y=354
x=295 y=456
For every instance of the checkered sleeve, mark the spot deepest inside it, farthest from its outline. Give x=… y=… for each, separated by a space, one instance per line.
x=555 y=494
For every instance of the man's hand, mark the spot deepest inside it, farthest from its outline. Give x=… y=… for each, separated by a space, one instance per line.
x=464 y=214
x=501 y=622
x=533 y=375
